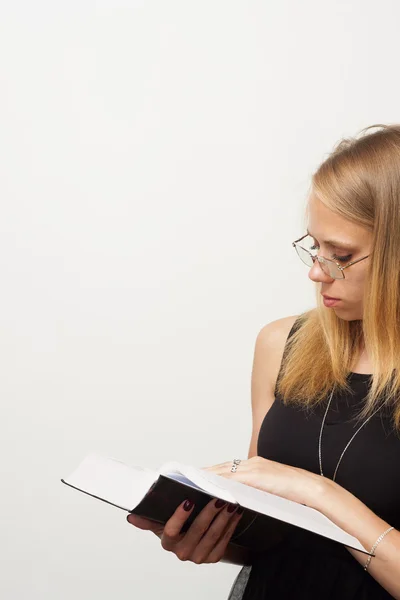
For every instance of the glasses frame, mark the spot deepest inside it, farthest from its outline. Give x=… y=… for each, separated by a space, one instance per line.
x=321 y=259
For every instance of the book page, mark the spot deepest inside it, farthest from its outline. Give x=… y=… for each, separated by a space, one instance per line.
x=112 y=480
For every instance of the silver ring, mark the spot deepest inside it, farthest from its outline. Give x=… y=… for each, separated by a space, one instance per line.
x=235 y=464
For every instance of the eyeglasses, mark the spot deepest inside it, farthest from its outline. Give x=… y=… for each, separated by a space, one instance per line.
x=330 y=267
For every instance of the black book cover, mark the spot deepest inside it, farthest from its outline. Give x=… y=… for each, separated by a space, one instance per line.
x=253 y=531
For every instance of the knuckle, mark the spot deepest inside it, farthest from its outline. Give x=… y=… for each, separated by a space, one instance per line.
x=169 y=531
x=200 y=558
x=198 y=529
x=214 y=535
x=168 y=542
x=215 y=557
x=182 y=554
x=165 y=544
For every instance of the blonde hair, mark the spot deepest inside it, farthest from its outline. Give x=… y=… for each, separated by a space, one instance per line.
x=360 y=181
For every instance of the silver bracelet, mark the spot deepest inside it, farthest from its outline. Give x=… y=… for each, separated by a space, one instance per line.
x=380 y=538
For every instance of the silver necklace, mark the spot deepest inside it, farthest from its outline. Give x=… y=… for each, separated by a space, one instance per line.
x=320 y=437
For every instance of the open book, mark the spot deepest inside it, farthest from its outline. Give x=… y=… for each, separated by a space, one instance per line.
x=157 y=494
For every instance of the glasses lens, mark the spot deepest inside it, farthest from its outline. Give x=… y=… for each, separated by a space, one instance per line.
x=304 y=255
x=329 y=267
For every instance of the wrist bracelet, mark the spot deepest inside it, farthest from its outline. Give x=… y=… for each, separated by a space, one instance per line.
x=380 y=538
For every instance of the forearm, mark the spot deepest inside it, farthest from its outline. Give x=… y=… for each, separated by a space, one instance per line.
x=352 y=515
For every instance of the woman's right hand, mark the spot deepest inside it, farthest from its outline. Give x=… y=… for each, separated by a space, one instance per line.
x=206 y=539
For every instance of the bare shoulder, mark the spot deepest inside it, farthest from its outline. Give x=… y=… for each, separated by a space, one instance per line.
x=268 y=354
x=273 y=336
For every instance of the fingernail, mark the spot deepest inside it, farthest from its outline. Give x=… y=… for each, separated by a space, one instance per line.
x=240 y=510
x=219 y=503
x=188 y=505
x=231 y=508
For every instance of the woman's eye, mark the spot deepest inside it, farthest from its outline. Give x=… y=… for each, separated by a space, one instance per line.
x=334 y=256
x=342 y=258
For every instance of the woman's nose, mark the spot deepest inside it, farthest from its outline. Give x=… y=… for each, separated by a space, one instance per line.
x=317 y=274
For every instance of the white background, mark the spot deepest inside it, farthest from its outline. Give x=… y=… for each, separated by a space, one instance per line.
x=155 y=160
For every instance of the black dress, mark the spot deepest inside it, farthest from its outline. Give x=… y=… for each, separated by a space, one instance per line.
x=306 y=566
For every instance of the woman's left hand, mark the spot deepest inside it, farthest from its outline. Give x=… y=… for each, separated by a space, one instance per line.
x=289 y=482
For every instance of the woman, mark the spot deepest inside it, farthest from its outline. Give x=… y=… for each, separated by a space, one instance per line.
x=325 y=398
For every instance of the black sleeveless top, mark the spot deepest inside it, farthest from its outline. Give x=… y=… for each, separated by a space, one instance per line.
x=305 y=565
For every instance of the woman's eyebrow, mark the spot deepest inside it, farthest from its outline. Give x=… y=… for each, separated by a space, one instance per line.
x=336 y=243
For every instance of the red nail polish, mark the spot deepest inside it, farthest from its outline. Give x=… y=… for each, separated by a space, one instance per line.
x=219 y=503
x=231 y=508
x=188 y=505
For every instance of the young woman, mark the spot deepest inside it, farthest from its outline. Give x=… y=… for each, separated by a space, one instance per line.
x=325 y=398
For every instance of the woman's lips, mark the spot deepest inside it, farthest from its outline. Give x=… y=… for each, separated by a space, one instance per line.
x=329 y=297
x=331 y=301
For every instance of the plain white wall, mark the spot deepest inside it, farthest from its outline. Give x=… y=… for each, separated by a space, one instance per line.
x=155 y=160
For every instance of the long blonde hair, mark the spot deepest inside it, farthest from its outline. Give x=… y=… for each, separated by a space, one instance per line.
x=360 y=181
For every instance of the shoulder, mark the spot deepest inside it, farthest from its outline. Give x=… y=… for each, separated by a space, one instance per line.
x=269 y=349
x=268 y=354
x=274 y=334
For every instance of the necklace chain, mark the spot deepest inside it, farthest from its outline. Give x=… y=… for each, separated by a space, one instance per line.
x=348 y=444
